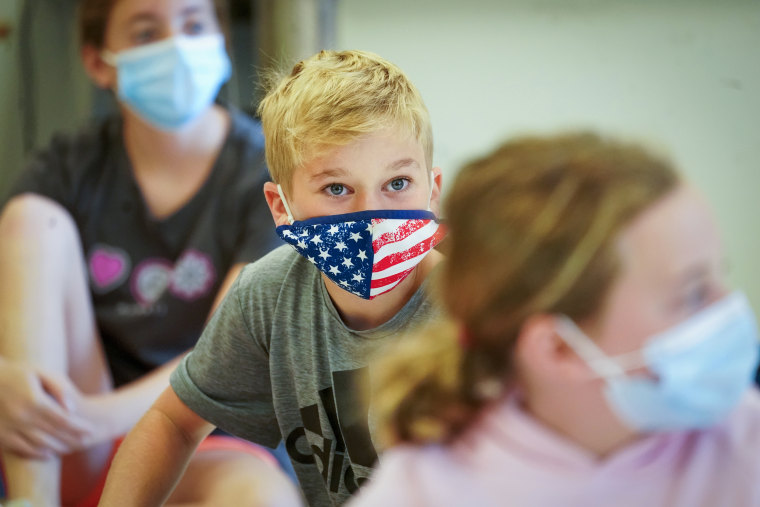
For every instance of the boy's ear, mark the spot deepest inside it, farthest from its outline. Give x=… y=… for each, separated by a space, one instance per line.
x=541 y=351
x=276 y=206
x=101 y=73
x=435 y=196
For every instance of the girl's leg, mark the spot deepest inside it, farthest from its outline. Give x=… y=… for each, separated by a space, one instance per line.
x=47 y=322
x=230 y=477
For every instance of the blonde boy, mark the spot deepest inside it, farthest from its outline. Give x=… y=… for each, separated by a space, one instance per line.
x=349 y=148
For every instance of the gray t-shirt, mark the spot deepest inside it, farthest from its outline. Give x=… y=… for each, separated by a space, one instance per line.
x=276 y=361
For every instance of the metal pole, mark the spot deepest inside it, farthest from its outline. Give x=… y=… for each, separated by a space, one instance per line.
x=291 y=30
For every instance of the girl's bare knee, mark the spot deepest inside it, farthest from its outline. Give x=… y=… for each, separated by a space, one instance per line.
x=233 y=478
x=32 y=216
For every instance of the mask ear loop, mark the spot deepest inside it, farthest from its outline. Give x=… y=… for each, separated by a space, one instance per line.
x=582 y=345
x=285 y=203
x=430 y=195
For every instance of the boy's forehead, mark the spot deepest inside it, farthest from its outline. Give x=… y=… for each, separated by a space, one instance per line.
x=385 y=150
x=317 y=170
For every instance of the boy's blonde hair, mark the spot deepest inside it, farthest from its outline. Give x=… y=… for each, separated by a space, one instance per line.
x=333 y=98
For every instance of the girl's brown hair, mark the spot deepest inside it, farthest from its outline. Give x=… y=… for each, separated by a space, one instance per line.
x=532 y=230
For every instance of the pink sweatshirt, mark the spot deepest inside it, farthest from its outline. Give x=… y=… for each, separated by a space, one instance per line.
x=509 y=458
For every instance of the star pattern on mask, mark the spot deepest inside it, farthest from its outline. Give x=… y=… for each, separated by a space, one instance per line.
x=339 y=250
x=366 y=257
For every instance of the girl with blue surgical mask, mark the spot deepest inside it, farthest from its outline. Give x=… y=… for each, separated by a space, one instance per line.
x=169 y=83
x=118 y=242
x=594 y=353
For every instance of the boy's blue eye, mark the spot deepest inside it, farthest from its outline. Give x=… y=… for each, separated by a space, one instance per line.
x=336 y=189
x=398 y=184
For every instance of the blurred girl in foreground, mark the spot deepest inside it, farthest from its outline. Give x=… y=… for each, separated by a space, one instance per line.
x=594 y=353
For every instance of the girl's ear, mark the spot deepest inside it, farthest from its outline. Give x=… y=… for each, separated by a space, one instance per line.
x=542 y=351
x=276 y=206
x=101 y=73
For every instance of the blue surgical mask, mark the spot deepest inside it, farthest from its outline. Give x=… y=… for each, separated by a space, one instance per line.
x=170 y=82
x=699 y=368
x=366 y=253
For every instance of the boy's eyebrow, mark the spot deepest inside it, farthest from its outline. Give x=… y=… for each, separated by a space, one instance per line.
x=404 y=162
x=330 y=172
x=335 y=172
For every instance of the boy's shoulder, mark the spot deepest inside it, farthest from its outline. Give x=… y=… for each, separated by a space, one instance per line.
x=272 y=271
x=273 y=263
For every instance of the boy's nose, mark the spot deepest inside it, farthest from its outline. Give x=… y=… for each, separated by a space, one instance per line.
x=367 y=201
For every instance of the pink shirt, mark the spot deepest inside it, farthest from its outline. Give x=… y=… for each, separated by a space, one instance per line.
x=510 y=458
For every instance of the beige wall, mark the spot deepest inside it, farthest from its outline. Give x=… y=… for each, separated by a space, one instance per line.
x=684 y=74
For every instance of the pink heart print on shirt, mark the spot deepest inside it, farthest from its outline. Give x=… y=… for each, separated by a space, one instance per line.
x=109 y=267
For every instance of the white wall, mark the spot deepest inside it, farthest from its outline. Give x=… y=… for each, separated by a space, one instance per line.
x=684 y=74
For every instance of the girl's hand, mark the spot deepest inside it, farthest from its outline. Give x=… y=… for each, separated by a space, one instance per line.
x=38 y=417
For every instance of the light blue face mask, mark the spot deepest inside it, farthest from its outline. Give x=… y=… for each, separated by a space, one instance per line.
x=701 y=368
x=170 y=82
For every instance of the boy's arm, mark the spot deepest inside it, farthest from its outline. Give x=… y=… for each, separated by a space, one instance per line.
x=155 y=453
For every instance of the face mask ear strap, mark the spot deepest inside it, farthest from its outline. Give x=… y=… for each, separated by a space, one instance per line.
x=285 y=203
x=586 y=349
x=432 y=182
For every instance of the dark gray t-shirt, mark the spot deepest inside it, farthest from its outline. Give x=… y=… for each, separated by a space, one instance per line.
x=153 y=281
x=276 y=361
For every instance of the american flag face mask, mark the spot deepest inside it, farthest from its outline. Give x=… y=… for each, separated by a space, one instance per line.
x=366 y=253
